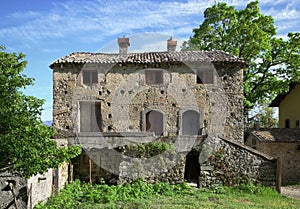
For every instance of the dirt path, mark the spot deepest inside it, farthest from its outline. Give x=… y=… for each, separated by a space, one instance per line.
x=291 y=191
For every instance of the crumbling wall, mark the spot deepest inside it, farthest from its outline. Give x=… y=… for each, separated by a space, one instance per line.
x=124 y=96
x=231 y=163
x=18 y=192
x=13 y=191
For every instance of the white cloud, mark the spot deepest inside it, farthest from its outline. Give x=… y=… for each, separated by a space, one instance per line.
x=110 y=18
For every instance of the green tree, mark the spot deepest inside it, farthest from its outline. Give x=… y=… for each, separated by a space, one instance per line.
x=265 y=118
x=25 y=142
x=272 y=62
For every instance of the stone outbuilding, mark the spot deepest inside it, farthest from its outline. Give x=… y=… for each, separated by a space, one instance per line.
x=281 y=143
x=193 y=100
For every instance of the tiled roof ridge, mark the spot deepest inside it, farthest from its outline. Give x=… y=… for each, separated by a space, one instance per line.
x=276 y=134
x=149 y=57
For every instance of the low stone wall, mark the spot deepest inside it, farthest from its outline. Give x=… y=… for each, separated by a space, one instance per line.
x=169 y=168
x=39 y=188
x=222 y=162
x=232 y=163
x=18 y=192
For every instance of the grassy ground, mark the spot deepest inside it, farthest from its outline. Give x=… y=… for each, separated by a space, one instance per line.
x=162 y=195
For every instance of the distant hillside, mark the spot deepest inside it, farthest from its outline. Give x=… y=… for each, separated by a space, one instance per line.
x=48 y=122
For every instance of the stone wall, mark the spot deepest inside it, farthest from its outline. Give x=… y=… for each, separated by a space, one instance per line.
x=13 y=191
x=290 y=154
x=39 y=188
x=26 y=193
x=124 y=97
x=232 y=163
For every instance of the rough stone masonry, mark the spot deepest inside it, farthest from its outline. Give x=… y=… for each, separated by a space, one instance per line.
x=102 y=101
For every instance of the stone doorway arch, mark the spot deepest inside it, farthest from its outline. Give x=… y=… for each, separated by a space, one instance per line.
x=192 y=167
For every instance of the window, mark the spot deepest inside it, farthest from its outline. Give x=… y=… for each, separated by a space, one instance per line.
x=154 y=77
x=90 y=77
x=297 y=124
x=154 y=122
x=205 y=77
x=190 y=123
x=90 y=117
x=287 y=123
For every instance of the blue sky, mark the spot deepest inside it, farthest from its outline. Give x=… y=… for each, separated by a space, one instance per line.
x=46 y=30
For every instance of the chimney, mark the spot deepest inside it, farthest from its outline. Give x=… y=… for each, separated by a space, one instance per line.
x=123 y=45
x=171 y=45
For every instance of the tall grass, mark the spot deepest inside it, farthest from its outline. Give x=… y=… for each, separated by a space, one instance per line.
x=163 y=195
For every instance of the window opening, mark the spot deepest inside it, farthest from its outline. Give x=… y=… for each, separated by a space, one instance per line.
x=205 y=77
x=90 y=117
x=154 y=77
x=297 y=124
x=190 y=123
x=154 y=122
x=90 y=77
x=287 y=123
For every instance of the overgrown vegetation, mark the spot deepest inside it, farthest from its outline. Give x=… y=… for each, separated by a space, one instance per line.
x=163 y=195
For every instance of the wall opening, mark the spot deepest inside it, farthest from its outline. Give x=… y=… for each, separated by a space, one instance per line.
x=90 y=77
x=155 y=122
x=287 y=123
x=154 y=77
x=190 y=123
x=192 y=167
x=90 y=117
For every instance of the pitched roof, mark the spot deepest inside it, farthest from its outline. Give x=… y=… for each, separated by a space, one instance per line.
x=277 y=135
x=280 y=97
x=150 y=57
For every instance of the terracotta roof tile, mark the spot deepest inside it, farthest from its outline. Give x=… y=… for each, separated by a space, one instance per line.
x=277 y=135
x=149 y=57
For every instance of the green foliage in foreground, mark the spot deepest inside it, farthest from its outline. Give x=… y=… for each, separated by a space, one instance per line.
x=25 y=142
x=163 y=195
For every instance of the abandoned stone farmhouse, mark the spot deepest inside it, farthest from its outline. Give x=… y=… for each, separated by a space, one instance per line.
x=190 y=99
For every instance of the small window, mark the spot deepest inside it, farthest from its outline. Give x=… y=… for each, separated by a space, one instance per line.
x=154 y=77
x=287 y=123
x=90 y=77
x=205 y=77
x=297 y=124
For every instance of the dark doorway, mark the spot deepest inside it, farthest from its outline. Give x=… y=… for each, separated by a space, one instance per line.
x=190 y=123
x=192 y=167
x=154 y=122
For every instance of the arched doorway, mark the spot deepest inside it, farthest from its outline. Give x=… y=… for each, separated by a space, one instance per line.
x=192 y=167
x=190 y=122
x=155 y=122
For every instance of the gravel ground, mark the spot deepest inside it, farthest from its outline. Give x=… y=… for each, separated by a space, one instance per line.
x=291 y=191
